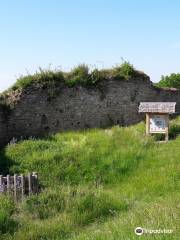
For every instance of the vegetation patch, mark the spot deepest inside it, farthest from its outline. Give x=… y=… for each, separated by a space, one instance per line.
x=171 y=81
x=44 y=77
x=80 y=75
x=104 y=161
x=48 y=204
x=95 y=184
x=7 y=223
x=90 y=206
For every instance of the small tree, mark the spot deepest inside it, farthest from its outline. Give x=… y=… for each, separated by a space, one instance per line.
x=173 y=80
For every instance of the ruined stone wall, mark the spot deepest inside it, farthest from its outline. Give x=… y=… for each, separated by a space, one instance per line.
x=3 y=125
x=39 y=111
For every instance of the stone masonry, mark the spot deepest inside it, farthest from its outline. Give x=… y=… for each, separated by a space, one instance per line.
x=38 y=111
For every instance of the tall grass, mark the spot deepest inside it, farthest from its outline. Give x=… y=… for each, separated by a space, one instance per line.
x=97 y=184
x=79 y=75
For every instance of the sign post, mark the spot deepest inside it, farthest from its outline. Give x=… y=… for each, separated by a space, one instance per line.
x=157 y=116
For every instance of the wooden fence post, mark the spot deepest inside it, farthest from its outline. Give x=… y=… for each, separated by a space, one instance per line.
x=15 y=187
x=22 y=186
x=19 y=186
x=30 y=183
x=1 y=183
x=1 y=179
x=35 y=182
x=8 y=184
x=147 y=123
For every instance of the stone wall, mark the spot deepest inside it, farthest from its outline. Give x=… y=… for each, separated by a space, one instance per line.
x=3 y=124
x=38 y=111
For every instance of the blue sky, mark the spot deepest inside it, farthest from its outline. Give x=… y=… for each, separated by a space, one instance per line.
x=65 y=33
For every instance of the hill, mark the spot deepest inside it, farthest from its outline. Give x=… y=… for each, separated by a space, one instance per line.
x=96 y=184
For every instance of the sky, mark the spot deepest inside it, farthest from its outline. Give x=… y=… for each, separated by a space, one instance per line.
x=65 y=33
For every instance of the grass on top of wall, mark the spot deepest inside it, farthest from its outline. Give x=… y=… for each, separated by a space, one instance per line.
x=96 y=184
x=79 y=75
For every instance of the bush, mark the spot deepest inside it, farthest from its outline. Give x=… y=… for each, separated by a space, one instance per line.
x=174 y=131
x=97 y=76
x=79 y=75
x=173 y=80
x=43 y=77
x=125 y=70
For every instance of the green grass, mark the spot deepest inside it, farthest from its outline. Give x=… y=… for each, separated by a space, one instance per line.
x=96 y=184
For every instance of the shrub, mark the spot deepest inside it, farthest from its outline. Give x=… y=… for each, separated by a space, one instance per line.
x=173 y=80
x=97 y=76
x=174 y=131
x=125 y=70
x=43 y=76
x=79 y=74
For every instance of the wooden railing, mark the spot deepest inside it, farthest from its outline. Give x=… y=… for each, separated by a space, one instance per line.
x=19 y=186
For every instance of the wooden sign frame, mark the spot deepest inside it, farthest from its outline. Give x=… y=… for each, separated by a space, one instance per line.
x=160 y=111
x=165 y=131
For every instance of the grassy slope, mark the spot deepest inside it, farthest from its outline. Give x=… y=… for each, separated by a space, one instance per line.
x=98 y=184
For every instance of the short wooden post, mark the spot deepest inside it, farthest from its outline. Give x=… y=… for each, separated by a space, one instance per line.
x=166 y=137
x=35 y=182
x=147 y=124
x=1 y=183
x=8 y=184
x=15 y=187
x=29 y=183
x=22 y=186
x=1 y=180
x=167 y=129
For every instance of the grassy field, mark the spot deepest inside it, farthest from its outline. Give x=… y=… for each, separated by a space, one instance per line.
x=96 y=185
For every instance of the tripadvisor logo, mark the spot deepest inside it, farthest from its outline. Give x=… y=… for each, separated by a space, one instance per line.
x=138 y=231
